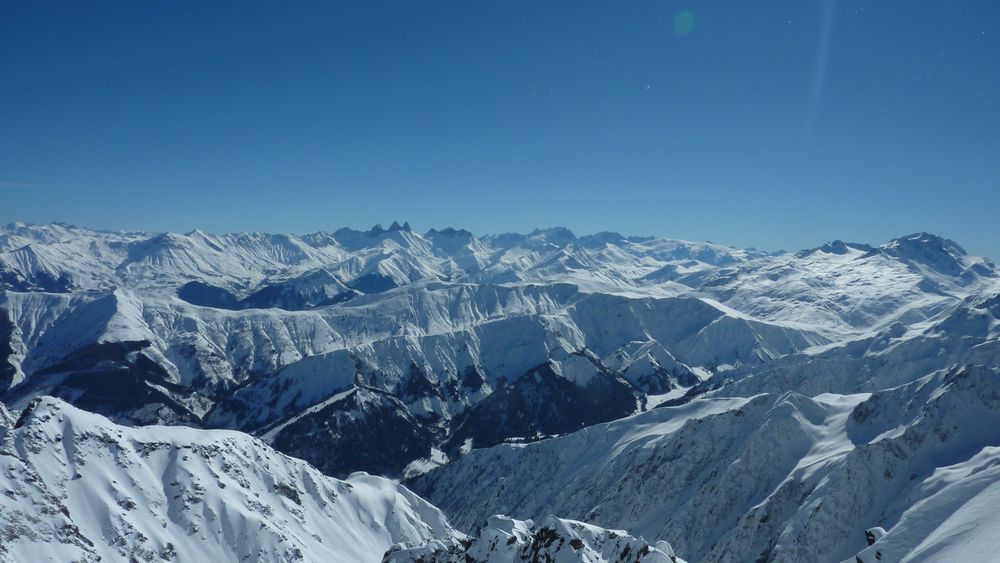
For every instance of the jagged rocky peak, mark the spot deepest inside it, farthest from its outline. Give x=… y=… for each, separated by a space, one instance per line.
x=353 y=240
x=395 y=226
x=836 y=247
x=506 y=540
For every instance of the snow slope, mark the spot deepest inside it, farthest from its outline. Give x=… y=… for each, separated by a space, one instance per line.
x=249 y=330
x=771 y=478
x=968 y=335
x=78 y=487
x=800 y=398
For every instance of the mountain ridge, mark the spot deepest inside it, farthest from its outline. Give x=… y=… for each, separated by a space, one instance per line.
x=271 y=324
x=444 y=358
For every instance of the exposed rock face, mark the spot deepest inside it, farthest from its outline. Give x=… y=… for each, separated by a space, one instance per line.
x=117 y=380
x=542 y=402
x=7 y=369
x=359 y=429
x=872 y=535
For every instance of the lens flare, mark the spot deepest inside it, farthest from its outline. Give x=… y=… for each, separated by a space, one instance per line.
x=819 y=76
x=683 y=22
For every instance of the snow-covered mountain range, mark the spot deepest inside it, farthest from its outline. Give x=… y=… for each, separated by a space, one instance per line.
x=737 y=403
x=77 y=487
x=766 y=478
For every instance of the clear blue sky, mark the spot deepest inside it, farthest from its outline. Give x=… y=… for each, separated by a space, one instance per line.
x=771 y=123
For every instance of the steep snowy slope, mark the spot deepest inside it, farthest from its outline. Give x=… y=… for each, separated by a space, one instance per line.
x=770 y=478
x=77 y=487
x=439 y=348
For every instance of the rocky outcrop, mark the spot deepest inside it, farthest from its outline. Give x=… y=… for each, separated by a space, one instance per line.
x=506 y=540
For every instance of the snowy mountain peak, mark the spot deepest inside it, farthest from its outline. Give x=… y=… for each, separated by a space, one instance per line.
x=922 y=240
x=81 y=488
x=929 y=250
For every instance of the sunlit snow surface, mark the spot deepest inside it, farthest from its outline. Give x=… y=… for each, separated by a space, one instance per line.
x=786 y=477
x=502 y=303
x=78 y=488
x=816 y=394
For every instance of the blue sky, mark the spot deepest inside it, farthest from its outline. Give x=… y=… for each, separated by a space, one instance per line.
x=775 y=123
